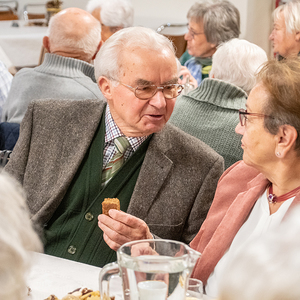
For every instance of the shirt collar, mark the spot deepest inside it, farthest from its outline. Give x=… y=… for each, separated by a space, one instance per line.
x=112 y=131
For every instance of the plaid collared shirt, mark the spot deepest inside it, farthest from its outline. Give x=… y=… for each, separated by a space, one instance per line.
x=112 y=131
x=5 y=82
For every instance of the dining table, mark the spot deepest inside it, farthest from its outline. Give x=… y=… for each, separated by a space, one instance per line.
x=21 y=41
x=51 y=275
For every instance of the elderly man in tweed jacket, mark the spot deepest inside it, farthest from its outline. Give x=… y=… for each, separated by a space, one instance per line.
x=168 y=178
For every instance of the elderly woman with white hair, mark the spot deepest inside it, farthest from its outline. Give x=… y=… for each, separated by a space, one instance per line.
x=211 y=22
x=113 y=15
x=210 y=112
x=285 y=36
x=17 y=237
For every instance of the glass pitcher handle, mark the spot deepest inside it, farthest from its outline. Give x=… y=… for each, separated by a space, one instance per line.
x=107 y=272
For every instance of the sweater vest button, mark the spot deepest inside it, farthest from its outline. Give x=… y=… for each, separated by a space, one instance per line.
x=89 y=217
x=72 y=250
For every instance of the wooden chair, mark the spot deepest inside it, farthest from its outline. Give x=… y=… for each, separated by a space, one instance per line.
x=8 y=10
x=175 y=33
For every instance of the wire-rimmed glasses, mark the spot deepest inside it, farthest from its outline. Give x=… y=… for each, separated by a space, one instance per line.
x=145 y=92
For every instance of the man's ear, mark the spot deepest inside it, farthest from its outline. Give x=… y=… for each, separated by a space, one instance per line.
x=98 y=48
x=105 y=86
x=46 y=43
x=297 y=37
x=286 y=136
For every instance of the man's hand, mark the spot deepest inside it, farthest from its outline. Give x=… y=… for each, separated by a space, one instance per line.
x=121 y=228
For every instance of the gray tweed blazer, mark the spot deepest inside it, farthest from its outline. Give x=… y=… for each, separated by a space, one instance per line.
x=175 y=187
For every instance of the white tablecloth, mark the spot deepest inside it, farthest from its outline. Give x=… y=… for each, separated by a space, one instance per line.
x=21 y=44
x=51 y=275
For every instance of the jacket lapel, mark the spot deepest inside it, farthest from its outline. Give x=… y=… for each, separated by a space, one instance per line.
x=156 y=167
x=74 y=148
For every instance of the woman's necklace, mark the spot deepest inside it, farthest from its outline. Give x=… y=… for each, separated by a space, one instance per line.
x=274 y=199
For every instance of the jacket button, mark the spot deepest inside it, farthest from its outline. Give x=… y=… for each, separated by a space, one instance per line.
x=72 y=250
x=89 y=217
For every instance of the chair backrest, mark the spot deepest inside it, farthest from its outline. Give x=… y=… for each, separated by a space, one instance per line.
x=175 y=33
x=34 y=11
x=8 y=10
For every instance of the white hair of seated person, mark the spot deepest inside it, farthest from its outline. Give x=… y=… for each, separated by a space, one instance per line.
x=117 y=13
x=237 y=62
x=291 y=12
x=17 y=237
x=93 y=4
x=108 y=60
x=66 y=34
x=268 y=267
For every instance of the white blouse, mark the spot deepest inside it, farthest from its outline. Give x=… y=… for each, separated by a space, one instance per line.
x=259 y=222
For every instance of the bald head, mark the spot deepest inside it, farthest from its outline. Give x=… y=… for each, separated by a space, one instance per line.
x=75 y=33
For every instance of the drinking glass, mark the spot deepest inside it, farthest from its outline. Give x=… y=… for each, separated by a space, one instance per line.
x=194 y=289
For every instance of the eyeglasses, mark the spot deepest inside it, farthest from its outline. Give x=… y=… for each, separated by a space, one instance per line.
x=145 y=92
x=243 y=116
x=193 y=33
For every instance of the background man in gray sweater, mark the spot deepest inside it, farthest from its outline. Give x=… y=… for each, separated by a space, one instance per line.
x=66 y=73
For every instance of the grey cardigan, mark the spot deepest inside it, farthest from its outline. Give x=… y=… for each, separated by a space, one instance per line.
x=173 y=192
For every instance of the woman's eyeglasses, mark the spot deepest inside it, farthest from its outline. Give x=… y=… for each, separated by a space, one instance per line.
x=243 y=116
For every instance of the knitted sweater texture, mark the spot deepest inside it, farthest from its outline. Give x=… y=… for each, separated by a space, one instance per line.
x=210 y=113
x=58 y=77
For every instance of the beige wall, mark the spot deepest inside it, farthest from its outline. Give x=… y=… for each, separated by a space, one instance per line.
x=255 y=15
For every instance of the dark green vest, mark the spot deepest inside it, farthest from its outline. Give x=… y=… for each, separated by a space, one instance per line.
x=73 y=231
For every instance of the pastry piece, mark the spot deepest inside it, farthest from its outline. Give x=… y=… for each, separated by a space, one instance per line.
x=110 y=203
x=52 y=297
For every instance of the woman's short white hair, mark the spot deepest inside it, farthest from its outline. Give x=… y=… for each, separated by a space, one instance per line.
x=291 y=13
x=237 y=62
x=117 y=13
x=93 y=4
x=86 y=42
x=221 y=19
x=266 y=268
x=109 y=58
x=17 y=237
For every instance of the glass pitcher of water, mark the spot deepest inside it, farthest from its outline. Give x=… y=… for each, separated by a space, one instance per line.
x=151 y=270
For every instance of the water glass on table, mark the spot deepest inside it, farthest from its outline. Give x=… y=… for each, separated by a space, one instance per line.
x=194 y=289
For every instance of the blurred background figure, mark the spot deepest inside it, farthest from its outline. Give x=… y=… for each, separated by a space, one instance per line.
x=115 y=15
x=94 y=8
x=267 y=268
x=211 y=22
x=66 y=73
x=285 y=36
x=17 y=237
x=5 y=83
x=210 y=112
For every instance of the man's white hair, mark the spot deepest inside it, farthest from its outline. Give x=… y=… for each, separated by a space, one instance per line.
x=291 y=13
x=93 y=4
x=59 y=36
x=267 y=268
x=109 y=58
x=237 y=62
x=117 y=13
x=17 y=237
